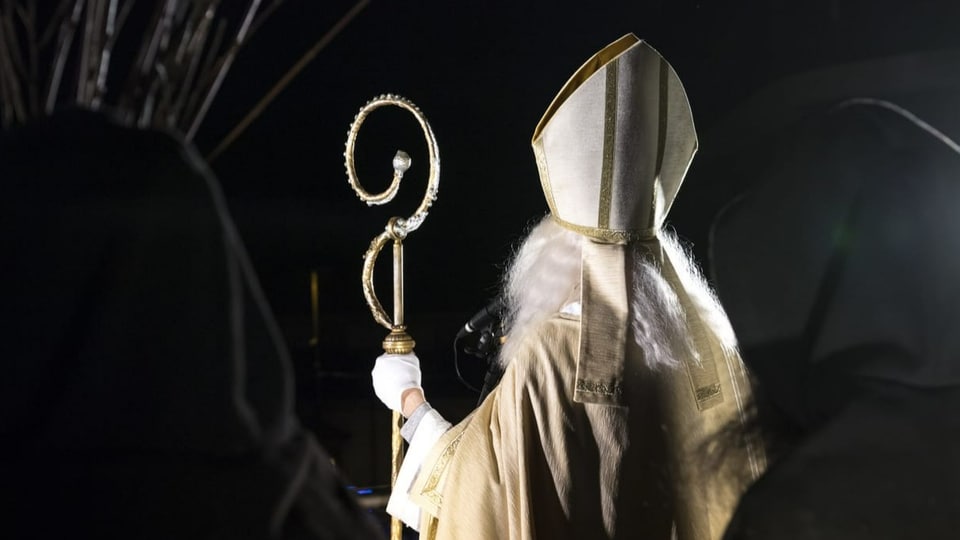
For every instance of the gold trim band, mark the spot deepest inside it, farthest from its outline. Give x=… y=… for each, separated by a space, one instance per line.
x=607 y=236
x=664 y=103
x=609 y=145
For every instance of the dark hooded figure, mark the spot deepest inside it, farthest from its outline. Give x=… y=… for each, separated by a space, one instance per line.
x=145 y=390
x=840 y=271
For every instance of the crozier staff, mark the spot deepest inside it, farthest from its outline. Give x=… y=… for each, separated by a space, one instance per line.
x=398 y=341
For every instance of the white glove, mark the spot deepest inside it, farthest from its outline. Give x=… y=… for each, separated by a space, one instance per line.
x=392 y=375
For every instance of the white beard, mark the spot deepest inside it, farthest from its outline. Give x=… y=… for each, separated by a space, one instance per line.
x=544 y=276
x=660 y=324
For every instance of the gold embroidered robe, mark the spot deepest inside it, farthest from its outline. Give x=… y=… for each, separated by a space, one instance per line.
x=531 y=462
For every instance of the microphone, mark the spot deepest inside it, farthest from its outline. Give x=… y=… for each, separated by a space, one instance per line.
x=483 y=319
x=484 y=326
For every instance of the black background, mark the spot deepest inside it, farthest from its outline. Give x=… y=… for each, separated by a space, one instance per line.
x=483 y=73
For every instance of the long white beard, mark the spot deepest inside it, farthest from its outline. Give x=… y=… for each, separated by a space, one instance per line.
x=544 y=276
x=660 y=324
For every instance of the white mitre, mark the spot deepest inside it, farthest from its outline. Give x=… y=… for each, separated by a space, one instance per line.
x=612 y=149
x=615 y=144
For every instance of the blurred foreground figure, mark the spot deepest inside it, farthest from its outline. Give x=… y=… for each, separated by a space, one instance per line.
x=620 y=367
x=146 y=391
x=840 y=271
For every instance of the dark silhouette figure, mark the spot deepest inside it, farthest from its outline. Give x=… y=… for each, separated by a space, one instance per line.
x=145 y=389
x=840 y=271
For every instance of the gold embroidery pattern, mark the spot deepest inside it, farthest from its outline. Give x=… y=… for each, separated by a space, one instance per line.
x=707 y=392
x=701 y=377
x=596 y=387
x=430 y=488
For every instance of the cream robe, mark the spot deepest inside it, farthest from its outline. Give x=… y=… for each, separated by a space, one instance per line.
x=530 y=462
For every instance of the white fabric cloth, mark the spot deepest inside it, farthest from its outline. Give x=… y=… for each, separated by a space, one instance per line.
x=431 y=427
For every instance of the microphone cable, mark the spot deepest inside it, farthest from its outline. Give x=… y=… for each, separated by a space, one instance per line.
x=456 y=365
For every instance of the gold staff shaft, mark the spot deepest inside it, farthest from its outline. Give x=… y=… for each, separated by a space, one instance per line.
x=398 y=283
x=396 y=439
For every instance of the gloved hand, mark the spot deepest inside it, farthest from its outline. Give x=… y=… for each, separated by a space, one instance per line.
x=392 y=375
